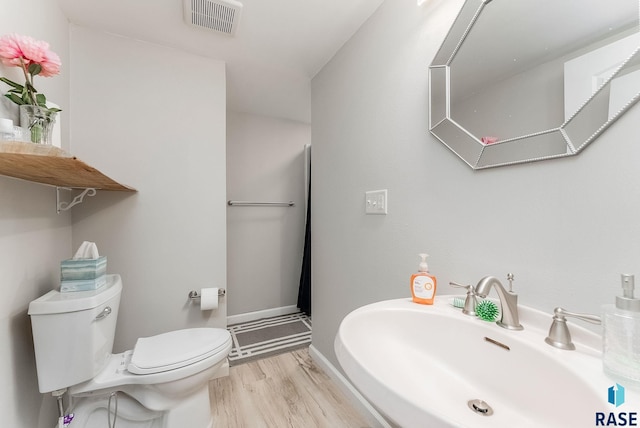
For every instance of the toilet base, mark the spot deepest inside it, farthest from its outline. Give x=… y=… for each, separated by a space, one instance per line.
x=90 y=412
x=93 y=412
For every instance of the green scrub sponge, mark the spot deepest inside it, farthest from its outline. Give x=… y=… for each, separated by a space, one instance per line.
x=487 y=311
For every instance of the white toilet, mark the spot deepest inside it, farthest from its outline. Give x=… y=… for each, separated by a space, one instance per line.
x=162 y=383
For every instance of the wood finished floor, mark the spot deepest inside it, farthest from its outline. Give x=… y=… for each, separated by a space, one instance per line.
x=286 y=390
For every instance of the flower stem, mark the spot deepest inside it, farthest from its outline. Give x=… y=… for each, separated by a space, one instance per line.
x=29 y=82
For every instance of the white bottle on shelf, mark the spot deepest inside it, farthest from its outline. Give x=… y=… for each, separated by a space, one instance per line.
x=6 y=129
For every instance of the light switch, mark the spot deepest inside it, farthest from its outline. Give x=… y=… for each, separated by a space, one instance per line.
x=376 y=202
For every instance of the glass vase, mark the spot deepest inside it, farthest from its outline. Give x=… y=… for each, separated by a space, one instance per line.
x=39 y=121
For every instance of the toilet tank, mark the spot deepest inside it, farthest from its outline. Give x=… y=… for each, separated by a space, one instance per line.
x=73 y=333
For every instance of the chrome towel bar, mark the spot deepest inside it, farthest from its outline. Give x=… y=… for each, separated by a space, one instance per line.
x=260 y=204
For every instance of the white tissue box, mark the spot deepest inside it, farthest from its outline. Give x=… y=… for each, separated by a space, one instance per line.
x=83 y=269
x=83 y=284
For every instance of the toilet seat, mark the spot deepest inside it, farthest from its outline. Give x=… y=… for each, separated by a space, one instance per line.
x=115 y=375
x=175 y=349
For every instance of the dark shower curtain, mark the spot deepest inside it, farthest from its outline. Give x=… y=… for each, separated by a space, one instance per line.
x=304 y=290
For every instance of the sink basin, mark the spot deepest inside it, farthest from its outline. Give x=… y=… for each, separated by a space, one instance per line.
x=423 y=365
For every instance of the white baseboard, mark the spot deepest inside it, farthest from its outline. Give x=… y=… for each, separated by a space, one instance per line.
x=356 y=399
x=266 y=313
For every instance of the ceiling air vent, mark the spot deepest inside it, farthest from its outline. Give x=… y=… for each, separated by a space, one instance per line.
x=218 y=15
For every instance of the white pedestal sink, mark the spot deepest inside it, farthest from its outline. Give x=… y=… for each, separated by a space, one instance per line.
x=423 y=365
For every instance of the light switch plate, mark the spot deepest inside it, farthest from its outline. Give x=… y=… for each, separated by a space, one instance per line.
x=376 y=202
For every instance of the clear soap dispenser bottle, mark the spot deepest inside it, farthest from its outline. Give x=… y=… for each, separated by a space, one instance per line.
x=621 y=338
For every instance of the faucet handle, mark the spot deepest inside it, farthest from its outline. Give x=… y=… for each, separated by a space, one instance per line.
x=456 y=285
x=470 y=302
x=559 y=335
x=561 y=312
x=510 y=277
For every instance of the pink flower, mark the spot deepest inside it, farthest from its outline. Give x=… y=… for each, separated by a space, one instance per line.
x=16 y=50
x=489 y=140
x=33 y=57
x=50 y=64
x=10 y=52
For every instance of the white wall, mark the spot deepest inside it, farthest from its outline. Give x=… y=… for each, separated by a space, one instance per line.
x=565 y=228
x=153 y=118
x=265 y=162
x=33 y=238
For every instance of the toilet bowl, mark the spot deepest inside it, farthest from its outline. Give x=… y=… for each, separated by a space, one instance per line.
x=162 y=383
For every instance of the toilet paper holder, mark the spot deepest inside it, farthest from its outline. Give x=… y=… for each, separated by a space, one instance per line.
x=193 y=295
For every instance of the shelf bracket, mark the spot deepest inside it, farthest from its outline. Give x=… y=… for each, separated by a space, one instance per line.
x=64 y=206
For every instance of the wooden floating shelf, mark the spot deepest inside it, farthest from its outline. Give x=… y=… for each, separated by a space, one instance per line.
x=53 y=166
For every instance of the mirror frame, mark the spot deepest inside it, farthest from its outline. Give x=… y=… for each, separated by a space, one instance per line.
x=566 y=140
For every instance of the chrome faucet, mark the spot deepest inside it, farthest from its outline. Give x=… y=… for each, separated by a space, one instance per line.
x=508 y=301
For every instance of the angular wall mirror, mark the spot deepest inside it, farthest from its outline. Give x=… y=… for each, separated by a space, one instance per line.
x=528 y=80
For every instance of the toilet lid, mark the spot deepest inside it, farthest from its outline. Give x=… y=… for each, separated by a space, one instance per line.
x=176 y=349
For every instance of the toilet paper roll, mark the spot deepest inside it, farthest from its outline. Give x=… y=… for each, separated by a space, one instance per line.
x=208 y=299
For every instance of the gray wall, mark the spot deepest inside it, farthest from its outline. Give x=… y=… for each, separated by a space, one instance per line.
x=565 y=228
x=264 y=244
x=136 y=117
x=33 y=238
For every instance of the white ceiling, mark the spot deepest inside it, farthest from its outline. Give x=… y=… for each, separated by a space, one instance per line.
x=279 y=45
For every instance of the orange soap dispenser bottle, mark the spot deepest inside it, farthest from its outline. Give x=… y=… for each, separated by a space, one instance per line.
x=423 y=284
